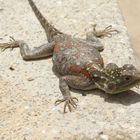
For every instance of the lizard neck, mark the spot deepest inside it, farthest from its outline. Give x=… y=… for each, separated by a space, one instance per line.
x=88 y=71
x=92 y=67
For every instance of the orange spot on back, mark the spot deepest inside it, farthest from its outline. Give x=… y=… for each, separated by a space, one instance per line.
x=101 y=61
x=78 y=69
x=68 y=44
x=57 y=47
x=53 y=33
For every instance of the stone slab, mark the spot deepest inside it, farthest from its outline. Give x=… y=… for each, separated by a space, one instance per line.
x=28 y=92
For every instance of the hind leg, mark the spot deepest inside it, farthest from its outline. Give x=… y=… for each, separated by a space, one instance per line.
x=44 y=50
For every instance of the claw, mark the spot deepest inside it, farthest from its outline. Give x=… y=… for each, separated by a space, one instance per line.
x=6 y=46
x=108 y=28
x=3 y=49
x=73 y=103
x=69 y=102
x=75 y=99
x=107 y=32
x=57 y=102
x=11 y=49
x=13 y=44
x=12 y=38
x=69 y=107
x=94 y=27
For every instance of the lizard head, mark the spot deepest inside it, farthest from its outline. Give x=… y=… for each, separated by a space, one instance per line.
x=114 y=79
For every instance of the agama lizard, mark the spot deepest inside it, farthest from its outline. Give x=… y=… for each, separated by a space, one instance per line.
x=78 y=62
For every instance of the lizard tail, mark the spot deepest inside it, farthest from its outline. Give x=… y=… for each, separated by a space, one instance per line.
x=49 y=29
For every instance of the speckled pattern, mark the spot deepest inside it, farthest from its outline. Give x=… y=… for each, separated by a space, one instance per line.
x=29 y=91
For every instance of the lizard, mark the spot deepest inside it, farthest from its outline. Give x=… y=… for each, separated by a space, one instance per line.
x=78 y=61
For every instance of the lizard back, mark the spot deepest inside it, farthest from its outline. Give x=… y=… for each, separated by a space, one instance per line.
x=71 y=54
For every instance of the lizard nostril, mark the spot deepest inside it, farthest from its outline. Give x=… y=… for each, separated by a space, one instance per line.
x=127 y=78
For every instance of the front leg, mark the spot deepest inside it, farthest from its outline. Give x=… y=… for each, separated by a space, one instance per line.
x=107 y=32
x=76 y=82
x=44 y=50
x=94 y=35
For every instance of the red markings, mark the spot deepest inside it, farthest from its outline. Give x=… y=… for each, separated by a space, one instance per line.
x=53 y=33
x=78 y=69
x=101 y=61
x=68 y=44
x=57 y=47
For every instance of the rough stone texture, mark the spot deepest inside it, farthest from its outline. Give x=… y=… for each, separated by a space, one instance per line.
x=28 y=92
x=106 y=135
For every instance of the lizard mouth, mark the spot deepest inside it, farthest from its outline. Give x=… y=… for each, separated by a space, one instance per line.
x=137 y=85
x=135 y=81
x=112 y=90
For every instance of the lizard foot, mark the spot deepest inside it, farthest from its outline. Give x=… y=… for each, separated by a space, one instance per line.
x=69 y=102
x=107 y=32
x=12 y=44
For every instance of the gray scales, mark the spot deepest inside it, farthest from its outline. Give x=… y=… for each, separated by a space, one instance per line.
x=78 y=61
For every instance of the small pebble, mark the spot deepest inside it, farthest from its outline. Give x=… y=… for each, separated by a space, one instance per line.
x=30 y=79
x=1 y=9
x=11 y=68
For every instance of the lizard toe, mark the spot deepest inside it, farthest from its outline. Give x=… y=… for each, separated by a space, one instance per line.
x=70 y=103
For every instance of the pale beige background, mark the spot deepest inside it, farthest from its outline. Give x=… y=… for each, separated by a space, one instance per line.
x=27 y=106
x=131 y=12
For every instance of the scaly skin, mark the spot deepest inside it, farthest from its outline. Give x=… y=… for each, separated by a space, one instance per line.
x=78 y=62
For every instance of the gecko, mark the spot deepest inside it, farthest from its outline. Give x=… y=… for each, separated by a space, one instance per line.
x=78 y=61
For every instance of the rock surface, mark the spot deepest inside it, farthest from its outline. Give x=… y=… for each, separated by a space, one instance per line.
x=29 y=90
x=106 y=135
